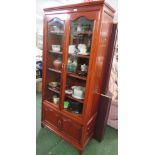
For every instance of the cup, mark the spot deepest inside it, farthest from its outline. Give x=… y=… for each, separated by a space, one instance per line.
x=84 y=68
x=56 y=99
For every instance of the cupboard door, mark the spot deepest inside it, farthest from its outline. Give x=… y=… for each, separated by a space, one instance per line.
x=72 y=128
x=79 y=60
x=51 y=117
x=53 y=59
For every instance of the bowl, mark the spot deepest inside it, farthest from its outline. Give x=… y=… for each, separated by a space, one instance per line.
x=54 y=84
x=56 y=48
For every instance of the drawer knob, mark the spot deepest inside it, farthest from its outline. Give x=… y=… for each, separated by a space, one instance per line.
x=59 y=123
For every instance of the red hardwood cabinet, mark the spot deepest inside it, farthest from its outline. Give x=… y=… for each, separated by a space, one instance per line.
x=75 y=54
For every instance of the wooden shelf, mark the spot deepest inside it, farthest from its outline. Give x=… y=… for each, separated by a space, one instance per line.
x=54 y=70
x=54 y=90
x=56 y=32
x=82 y=33
x=75 y=99
x=52 y=104
x=80 y=55
x=54 y=52
x=77 y=76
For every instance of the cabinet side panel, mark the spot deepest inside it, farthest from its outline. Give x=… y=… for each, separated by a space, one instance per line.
x=101 y=59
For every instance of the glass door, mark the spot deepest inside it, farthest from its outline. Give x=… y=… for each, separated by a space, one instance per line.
x=79 y=51
x=54 y=61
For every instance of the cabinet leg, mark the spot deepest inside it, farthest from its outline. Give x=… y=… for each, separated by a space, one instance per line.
x=80 y=152
x=42 y=125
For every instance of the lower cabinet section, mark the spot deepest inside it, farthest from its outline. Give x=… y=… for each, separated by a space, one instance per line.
x=72 y=129
x=62 y=124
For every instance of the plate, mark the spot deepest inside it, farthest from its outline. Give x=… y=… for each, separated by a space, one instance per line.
x=68 y=92
x=77 y=97
x=83 y=53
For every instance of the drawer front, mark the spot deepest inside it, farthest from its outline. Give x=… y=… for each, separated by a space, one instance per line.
x=72 y=129
x=52 y=117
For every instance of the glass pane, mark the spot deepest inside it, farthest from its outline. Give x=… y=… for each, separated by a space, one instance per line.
x=78 y=62
x=54 y=60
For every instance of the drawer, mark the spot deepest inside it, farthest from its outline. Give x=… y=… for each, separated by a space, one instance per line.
x=51 y=117
x=72 y=128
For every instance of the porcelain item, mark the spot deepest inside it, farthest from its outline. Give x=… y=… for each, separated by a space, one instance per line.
x=56 y=48
x=82 y=48
x=54 y=84
x=54 y=28
x=79 y=28
x=56 y=99
x=68 y=91
x=71 y=67
x=78 y=92
x=72 y=49
x=84 y=68
x=57 y=64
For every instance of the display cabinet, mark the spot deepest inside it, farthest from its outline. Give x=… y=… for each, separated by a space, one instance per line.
x=75 y=48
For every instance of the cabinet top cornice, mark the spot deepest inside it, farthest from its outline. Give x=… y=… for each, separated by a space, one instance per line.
x=87 y=4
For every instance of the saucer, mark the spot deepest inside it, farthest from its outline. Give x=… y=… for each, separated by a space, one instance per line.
x=68 y=91
x=83 y=53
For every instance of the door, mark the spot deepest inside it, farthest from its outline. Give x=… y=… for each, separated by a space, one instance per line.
x=53 y=58
x=78 y=61
x=51 y=117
